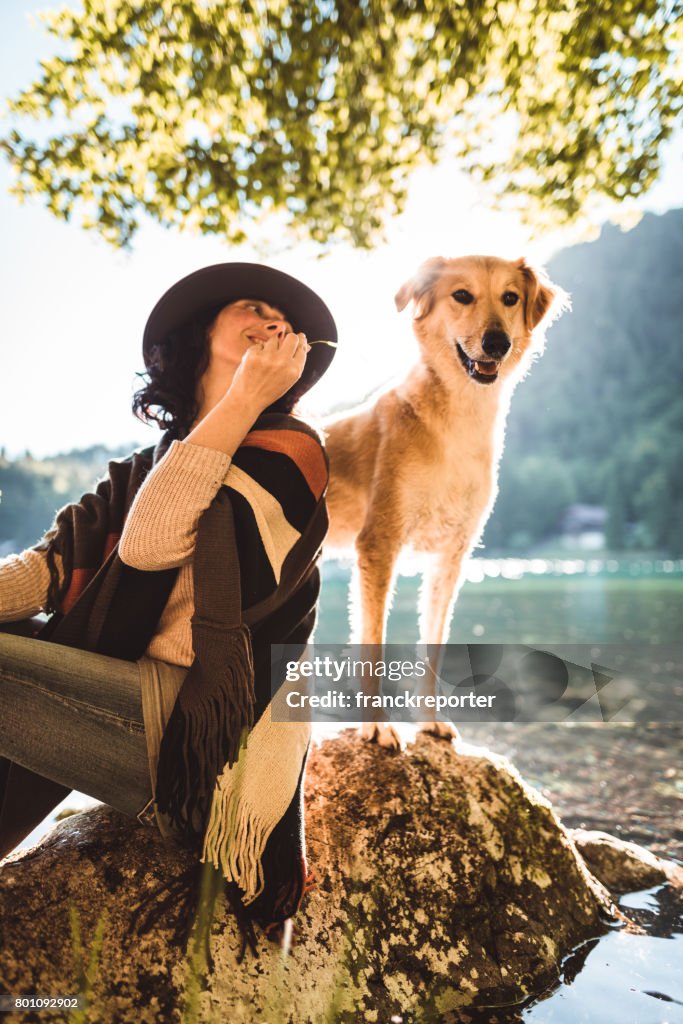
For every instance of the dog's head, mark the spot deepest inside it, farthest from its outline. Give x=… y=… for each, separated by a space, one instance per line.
x=486 y=313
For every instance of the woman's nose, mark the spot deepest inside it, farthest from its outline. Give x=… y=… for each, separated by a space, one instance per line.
x=276 y=327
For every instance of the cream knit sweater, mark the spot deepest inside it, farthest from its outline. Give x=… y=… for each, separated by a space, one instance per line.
x=159 y=533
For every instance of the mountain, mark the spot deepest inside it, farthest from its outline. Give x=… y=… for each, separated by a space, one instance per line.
x=599 y=418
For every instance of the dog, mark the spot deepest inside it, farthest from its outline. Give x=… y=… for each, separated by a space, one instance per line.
x=417 y=468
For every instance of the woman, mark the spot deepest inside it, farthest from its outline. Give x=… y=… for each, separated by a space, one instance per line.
x=170 y=583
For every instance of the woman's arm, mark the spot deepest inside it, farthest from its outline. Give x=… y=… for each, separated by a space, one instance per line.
x=24 y=582
x=264 y=375
x=161 y=526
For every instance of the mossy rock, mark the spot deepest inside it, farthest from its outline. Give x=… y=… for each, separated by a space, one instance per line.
x=445 y=884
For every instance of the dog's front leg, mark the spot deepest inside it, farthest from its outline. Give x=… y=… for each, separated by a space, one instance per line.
x=372 y=588
x=441 y=582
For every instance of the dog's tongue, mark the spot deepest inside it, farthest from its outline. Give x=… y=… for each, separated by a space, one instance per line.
x=486 y=368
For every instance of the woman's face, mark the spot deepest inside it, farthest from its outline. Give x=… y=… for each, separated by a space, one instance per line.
x=244 y=323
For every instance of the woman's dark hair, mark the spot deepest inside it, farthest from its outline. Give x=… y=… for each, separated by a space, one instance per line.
x=176 y=366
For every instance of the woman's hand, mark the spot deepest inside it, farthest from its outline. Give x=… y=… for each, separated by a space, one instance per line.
x=269 y=369
x=266 y=372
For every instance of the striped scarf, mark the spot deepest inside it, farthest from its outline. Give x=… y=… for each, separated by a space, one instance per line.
x=251 y=590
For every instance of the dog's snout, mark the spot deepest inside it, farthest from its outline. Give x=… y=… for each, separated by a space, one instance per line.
x=495 y=343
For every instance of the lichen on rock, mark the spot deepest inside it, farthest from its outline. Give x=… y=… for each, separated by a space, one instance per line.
x=445 y=882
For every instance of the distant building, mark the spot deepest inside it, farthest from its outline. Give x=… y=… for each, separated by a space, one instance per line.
x=584 y=526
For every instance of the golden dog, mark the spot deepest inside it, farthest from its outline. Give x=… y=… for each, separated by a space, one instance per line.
x=418 y=467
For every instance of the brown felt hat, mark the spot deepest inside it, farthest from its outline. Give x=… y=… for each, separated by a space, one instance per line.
x=223 y=283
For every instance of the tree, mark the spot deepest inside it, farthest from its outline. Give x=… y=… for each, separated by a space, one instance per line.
x=534 y=492
x=614 y=499
x=210 y=115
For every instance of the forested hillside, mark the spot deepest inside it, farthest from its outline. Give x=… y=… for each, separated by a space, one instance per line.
x=31 y=490
x=600 y=417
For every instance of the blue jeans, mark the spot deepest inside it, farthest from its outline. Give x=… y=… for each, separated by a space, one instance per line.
x=69 y=719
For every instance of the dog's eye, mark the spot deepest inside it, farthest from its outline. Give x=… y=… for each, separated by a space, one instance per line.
x=510 y=298
x=464 y=297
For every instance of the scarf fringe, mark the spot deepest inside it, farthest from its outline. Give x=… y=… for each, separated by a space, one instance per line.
x=235 y=839
x=200 y=738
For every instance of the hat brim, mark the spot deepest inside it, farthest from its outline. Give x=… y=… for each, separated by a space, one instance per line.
x=223 y=283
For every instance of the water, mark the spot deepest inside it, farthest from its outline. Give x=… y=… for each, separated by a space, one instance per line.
x=625 y=978
x=528 y=608
x=622 y=978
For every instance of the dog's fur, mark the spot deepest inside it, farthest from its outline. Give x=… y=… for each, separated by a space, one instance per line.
x=418 y=467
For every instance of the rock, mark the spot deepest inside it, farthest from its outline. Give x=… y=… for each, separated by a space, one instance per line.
x=445 y=882
x=622 y=866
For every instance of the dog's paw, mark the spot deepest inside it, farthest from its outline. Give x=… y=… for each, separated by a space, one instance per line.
x=442 y=730
x=383 y=734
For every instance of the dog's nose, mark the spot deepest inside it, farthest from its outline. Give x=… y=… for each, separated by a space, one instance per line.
x=495 y=344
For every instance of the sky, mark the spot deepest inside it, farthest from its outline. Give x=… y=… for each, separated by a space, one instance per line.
x=72 y=309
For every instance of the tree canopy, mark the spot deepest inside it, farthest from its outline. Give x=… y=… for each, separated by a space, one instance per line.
x=212 y=114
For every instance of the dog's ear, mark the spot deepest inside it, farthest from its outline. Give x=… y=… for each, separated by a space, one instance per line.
x=543 y=299
x=420 y=288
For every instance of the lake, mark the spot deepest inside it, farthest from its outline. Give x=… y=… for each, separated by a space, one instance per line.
x=531 y=601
